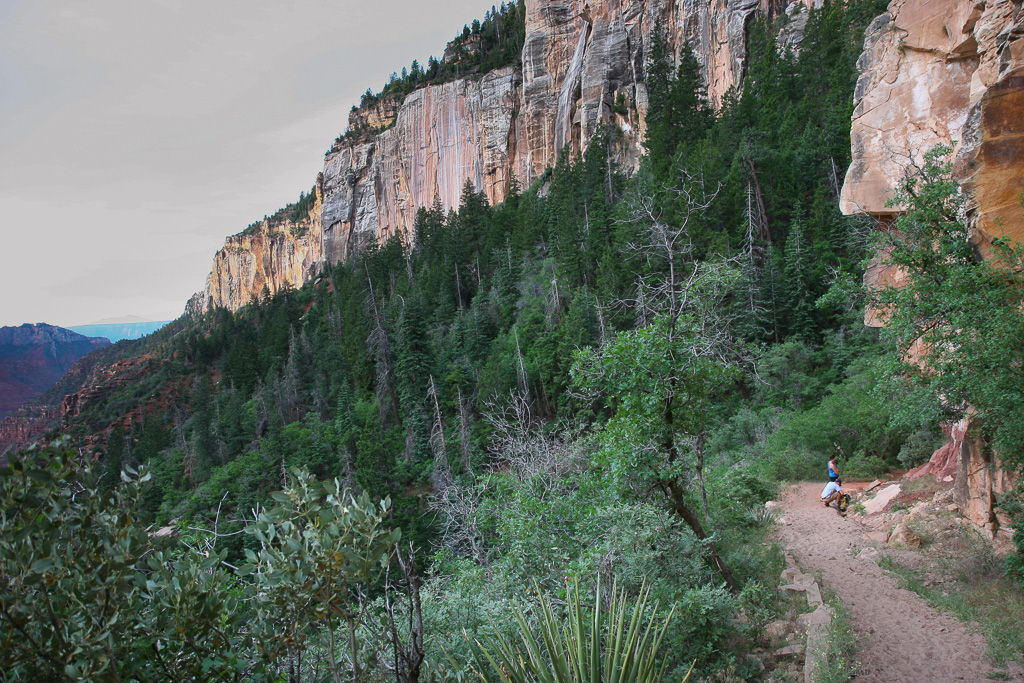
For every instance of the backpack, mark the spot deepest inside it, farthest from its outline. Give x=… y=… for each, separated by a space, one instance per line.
x=844 y=502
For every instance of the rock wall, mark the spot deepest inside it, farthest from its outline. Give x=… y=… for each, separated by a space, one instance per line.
x=945 y=72
x=443 y=135
x=967 y=461
x=942 y=72
x=579 y=59
x=273 y=254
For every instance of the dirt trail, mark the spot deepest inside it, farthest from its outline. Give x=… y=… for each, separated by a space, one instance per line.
x=902 y=638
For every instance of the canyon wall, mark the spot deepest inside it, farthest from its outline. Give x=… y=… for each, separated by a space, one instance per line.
x=945 y=72
x=269 y=256
x=579 y=59
x=942 y=72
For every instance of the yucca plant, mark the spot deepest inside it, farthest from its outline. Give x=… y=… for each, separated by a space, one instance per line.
x=590 y=646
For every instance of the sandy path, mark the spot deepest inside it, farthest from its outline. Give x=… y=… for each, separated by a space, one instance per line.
x=902 y=638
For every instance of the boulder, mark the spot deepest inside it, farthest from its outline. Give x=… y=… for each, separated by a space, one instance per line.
x=881 y=499
x=902 y=535
x=790 y=652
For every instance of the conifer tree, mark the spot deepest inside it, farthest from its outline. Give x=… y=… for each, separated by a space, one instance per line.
x=799 y=297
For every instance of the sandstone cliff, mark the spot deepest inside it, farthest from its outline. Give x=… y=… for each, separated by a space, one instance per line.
x=949 y=72
x=945 y=72
x=271 y=255
x=578 y=59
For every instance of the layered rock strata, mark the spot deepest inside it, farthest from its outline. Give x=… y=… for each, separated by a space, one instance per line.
x=942 y=72
x=268 y=257
x=945 y=72
x=25 y=425
x=34 y=357
x=583 y=71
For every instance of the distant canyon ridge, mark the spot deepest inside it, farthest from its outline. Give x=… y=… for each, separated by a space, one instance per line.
x=34 y=357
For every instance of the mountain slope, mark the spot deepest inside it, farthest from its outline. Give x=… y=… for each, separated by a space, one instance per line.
x=34 y=357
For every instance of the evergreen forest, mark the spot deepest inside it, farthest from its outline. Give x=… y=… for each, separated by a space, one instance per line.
x=433 y=461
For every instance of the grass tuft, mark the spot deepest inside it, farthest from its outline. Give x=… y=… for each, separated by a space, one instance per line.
x=975 y=589
x=839 y=663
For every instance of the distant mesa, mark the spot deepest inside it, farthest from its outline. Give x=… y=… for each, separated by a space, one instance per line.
x=123 y=320
x=116 y=329
x=34 y=357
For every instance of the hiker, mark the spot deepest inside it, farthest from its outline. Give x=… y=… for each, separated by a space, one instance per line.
x=833 y=491
x=833 y=469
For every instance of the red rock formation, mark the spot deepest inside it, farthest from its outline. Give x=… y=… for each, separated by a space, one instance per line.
x=25 y=425
x=105 y=381
x=944 y=461
x=34 y=357
x=966 y=460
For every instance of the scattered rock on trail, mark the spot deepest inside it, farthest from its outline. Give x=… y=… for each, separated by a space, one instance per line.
x=899 y=633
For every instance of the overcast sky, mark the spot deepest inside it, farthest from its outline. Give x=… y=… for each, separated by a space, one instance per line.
x=136 y=134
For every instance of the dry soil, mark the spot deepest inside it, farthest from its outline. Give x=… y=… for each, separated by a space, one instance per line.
x=901 y=637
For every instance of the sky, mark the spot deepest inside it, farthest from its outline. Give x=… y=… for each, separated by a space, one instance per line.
x=135 y=135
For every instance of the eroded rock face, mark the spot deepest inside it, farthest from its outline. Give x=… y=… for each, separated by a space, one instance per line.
x=979 y=479
x=945 y=460
x=24 y=425
x=583 y=70
x=942 y=72
x=270 y=256
x=945 y=72
x=443 y=136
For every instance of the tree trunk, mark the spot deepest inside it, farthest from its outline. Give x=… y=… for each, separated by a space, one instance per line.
x=674 y=492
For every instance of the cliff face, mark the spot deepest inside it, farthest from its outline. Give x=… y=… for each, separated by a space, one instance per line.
x=442 y=136
x=945 y=72
x=578 y=60
x=273 y=254
x=949 y=72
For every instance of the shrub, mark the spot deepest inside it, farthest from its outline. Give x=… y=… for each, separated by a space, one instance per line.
x=588 y=644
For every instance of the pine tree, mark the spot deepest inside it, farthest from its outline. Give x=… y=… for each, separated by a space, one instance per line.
x=112 y=460
x=799 y=297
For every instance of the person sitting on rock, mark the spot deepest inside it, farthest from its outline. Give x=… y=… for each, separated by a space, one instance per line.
x=832 y=492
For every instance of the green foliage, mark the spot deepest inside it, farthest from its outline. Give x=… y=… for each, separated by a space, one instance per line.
x=69 y=564
x=87 y=598
x=679 y=115
x=589 y=644
x=567 y=312
x=956 y=324
x=320 y=550
x=838 y=663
